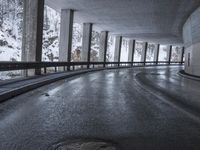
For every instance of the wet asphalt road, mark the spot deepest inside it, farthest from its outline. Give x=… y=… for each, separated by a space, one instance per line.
x=139 y=109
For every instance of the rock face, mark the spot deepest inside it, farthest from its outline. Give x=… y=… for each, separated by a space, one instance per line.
x=85 y=145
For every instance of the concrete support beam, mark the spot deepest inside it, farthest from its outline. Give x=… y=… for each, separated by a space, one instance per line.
x=86 y=45
x=103 y=46
x=66 y=33
x=32 y=33
x=168 y=51
x=169 y=54
x=182 y=55
x=144 y=52
x=118 y=45
x=156 y=55
x=131 y=51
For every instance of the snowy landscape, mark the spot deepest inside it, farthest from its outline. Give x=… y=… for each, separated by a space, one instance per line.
x=11 y=22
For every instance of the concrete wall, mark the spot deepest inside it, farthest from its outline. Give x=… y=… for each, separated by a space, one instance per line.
x=191 y=37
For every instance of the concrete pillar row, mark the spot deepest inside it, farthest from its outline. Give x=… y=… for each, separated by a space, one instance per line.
x=131 y=51
x=32 y=33
x=86 y=45
x=66 y=33
x=182 y=54
x=118 y=45
x=103 y=46
x=156 y=55
x=144 y=52
x=169 y=54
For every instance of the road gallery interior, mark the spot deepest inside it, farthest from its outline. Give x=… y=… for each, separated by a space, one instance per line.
x=99 y=74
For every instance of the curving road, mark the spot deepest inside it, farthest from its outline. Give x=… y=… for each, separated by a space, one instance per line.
x=139 y=109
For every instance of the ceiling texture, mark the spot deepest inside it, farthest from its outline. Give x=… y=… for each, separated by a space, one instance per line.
x=159 y=21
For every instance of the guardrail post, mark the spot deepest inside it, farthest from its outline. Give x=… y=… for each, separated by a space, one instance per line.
x=55 y=69
x=68 y=66
x=45 y=70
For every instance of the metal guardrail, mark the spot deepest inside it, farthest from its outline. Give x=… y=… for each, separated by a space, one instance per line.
x=8 y=66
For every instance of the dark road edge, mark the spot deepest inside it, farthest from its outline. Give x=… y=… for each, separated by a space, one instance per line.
x=173 y=100
x=182 y=73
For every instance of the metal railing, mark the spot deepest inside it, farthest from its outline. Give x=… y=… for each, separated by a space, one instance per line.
x=10 y=66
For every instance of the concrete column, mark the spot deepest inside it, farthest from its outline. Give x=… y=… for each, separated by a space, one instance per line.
x=32 y=33
x=169 y=54
x=156 y=55
x=86 y=45
x=182 y=55
x=66 y=33
x=131 y=51
x=118 y=45
x=144 y=52
x=103 y=46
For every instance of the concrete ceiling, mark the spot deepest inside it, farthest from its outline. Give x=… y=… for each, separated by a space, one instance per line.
x=159 y=21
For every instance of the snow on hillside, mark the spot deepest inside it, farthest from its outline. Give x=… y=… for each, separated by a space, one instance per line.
x=10 y=30
x=50 y=48
x=11 y=21
x=10 y=49
x=124 y=51
x=110 y=49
